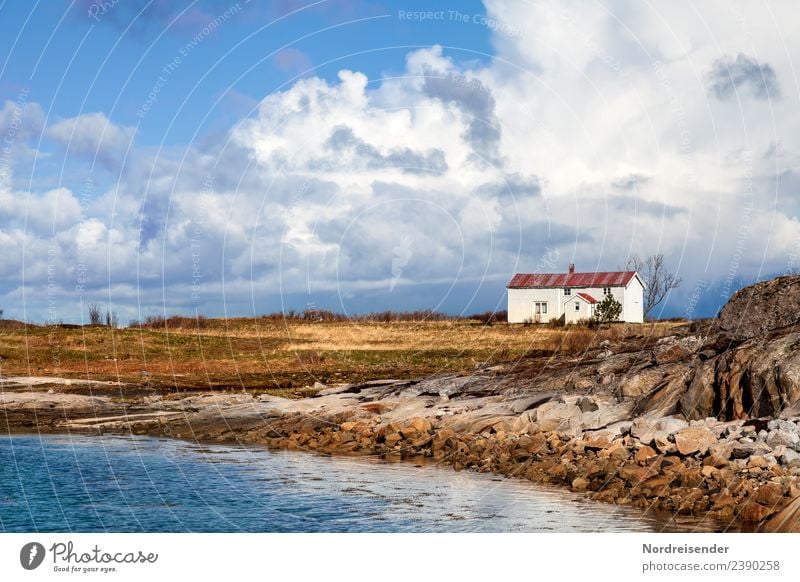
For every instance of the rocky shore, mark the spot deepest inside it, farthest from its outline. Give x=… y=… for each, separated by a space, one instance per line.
x=703 y=423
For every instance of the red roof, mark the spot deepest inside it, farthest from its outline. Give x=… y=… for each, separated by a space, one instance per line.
x=598 y=279
x=588 y=297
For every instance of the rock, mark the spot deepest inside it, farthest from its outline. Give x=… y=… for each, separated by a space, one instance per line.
x=587 y=404
x=420 y=424
x=666 y=353
x=741 y=450
x=663 y=445
x=555 y=416
x=757 y=461
x=698 y=401
x=783 y=437
x=579 y=384
x=615 y=451
x=781 y=424
x=580 y=484
x=392 y=439
x=598 y=439
x=786 y=520
x=637 y=384
x=643 y=454
x=718 y=455
x=723 y=500
x=694 y=440
x=762 y=307
x=692 y=478
x=421 y=441
x=606 y=416
x=664 y=400
x=523 y=404
x=790 y=458
x=634 y=475
x=769 y=494
x=647 y=428
x=753 y=512
x=557 y=472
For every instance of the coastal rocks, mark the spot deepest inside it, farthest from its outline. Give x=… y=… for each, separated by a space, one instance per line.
x=762 y=307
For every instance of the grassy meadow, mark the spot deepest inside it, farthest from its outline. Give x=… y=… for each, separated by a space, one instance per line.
x=284 y=356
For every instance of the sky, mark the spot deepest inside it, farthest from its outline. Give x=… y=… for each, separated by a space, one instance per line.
x=238 y=158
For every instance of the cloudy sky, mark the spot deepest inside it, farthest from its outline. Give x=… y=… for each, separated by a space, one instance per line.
x=235 y=158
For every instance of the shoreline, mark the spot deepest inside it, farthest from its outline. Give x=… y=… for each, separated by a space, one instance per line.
x=663 y=466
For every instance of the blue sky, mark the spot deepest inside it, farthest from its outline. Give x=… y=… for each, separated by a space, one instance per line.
x=76 y=58
x=237 y=158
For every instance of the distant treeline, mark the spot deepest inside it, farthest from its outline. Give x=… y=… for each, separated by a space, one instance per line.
x=327 y=316
x=99 y=318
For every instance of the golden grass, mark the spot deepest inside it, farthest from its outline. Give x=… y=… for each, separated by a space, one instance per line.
x=286 y=357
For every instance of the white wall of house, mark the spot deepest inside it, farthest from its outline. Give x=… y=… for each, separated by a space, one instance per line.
x=522 y=304
x=633 y=302
x=576 y=309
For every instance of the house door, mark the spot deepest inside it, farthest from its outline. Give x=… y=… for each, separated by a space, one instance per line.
x=539 y=310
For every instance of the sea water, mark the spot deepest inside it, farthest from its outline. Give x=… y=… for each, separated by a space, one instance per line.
x=58 y=483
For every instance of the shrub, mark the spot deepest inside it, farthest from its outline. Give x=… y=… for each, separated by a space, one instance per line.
x=95 y=317
x=490 y=317
x=609 y=309
x=173 y=322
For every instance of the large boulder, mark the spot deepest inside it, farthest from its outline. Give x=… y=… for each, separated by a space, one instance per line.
x=558 y=416
x=665 y=398
x=694 y=440
x=762 y=307
x=756 y=379
x=649 y=428
x=698 y=401
x=641 y=382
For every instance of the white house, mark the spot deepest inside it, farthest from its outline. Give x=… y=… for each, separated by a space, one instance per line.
x=540 y=297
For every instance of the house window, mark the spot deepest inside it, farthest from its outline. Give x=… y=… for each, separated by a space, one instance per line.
x=567 y=291
x=606 y=290
x=540 y=308
x=577 y=306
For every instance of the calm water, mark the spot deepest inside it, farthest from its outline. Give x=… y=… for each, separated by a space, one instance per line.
x=132 y=484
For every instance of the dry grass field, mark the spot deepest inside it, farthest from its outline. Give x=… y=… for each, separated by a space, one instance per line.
x=284 y=357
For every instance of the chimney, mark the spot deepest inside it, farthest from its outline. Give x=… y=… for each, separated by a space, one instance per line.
x=571 y=268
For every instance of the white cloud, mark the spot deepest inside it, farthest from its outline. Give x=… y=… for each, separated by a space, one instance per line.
x=94 y=136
